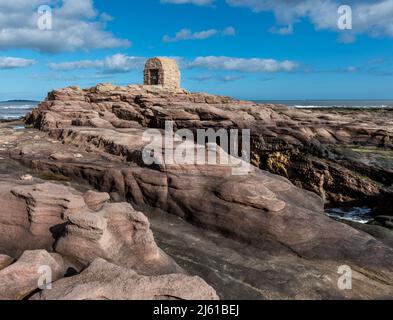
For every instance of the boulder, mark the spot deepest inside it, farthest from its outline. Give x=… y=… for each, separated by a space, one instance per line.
x=118 y=234
x=26 y=177
x=20 y=279
x=80 y=226
x=106 y=281
x=96 y=200
x=33 y=216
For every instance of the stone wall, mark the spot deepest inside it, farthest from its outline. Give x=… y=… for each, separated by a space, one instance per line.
x=168 y=72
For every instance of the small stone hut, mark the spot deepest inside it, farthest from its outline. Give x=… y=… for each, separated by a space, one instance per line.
x=162 y=71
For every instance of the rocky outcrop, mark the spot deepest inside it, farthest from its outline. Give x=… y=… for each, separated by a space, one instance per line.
x=206 y=195
x=21 y=279
x=239 y=271
x=33 y=215
x=329 y=152
x=106 y=281
x=118 y=234
x=274 y=232
x=259 y=208
x=80 y=226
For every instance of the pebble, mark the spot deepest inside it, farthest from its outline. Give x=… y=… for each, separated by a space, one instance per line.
x=26 y=177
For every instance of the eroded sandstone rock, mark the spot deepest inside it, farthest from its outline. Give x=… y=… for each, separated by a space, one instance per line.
x=81 y=226
x=261 y=211
x=20 y=279
x=106 y=281
x=118 y=234
x=5 y=261
x=313 y=148
x=96 y=200
x=32 y=216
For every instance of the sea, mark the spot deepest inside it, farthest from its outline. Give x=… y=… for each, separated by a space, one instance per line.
x=359 y=214
x=316 y=104
x=15 y=109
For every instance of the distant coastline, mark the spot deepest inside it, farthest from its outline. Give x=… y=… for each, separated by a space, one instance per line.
x=19 y=101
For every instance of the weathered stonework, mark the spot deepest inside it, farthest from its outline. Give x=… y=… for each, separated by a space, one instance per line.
x=162 y=71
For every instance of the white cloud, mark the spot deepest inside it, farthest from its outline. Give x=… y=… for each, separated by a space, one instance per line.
x=187 y=34
x=283 y=30
x=118 y=63
x=196 y=2
x=208 y=77
x=15 y=63
x=373 y=16
x=243 y=65
x=229 y=78
x=55 y=76
x=351 y=69
x=230 y=31
x=76 y=24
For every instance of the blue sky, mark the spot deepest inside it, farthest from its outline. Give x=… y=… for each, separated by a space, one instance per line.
x=249 y=49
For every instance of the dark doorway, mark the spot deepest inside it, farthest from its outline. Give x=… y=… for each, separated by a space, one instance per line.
x=154 y=76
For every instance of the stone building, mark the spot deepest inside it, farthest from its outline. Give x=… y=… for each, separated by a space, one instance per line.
x=162 y=71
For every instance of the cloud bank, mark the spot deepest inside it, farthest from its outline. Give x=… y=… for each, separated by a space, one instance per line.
x=15 y=63
x=374 y=17
x=187 y=34
x=76 y=25
x=118 y=63
x=243 y=65
x=196 y=2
